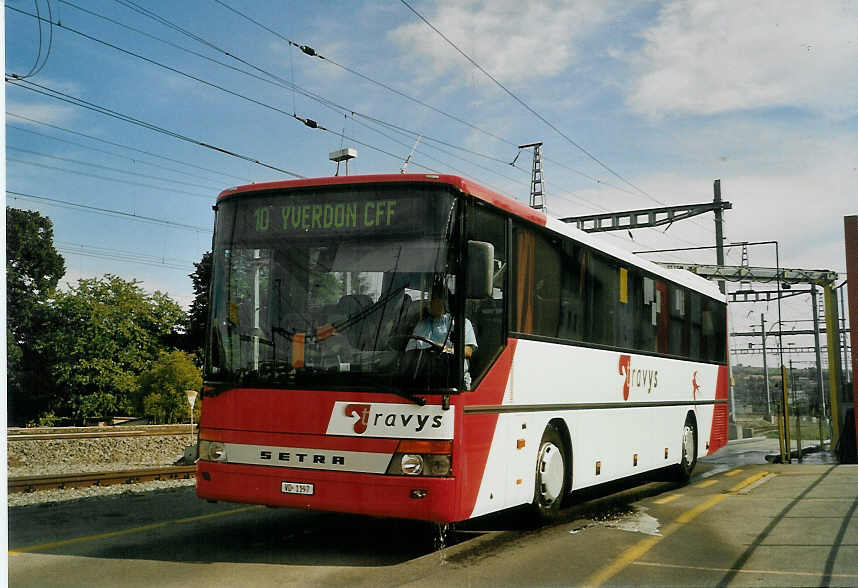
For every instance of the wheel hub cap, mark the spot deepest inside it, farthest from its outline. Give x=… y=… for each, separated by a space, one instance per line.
x=551 y=472
x=688 y=444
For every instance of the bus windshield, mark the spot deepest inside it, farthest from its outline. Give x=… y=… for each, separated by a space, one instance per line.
x=323 y=289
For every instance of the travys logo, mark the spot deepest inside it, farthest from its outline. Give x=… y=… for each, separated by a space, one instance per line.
x=362 y=412
x=637 y=378
x=407 y=421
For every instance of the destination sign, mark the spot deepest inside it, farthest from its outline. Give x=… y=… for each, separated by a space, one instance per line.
x=329 y=213
x=338 y=216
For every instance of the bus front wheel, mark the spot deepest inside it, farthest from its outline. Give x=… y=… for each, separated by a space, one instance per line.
x=689 y=452
x=552 y=477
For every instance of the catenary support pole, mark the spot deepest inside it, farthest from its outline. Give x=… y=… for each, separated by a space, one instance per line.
x=821 y=392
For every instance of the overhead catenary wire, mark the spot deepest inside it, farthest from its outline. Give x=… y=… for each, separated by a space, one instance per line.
x=527 y=106
x=313 y=53
x=105 y=178
x=279 y=81
x=56 y=94
x=308 y=122
x=530 y=109
x=113 y=143
x=112 y=169
x=271 y=77
x=13 y=195
x=123 y=255
x=39 y=63
x=290 y=84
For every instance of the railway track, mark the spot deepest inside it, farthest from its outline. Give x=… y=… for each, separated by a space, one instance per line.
x=23 y=434
x=34 y=483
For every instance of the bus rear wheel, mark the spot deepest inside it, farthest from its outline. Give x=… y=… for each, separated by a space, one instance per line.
x=552 y=479
x=689 y=452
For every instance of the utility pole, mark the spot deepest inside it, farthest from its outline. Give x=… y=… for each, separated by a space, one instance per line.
x=537 y=185
x=719 y=232
x=795 y=403
x=766 y=368
x=821 y=414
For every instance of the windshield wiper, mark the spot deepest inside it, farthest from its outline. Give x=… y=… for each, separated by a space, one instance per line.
x=418 y=400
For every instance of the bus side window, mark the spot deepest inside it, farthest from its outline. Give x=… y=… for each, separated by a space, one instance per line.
x=678 y=343
x=602 y=300
x=714 y=329
x=487 y=314
x=694 y=320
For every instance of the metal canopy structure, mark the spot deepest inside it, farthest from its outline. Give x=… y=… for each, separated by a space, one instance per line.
x=642 y=218
x=739 y=273
x=786 y=350
x=762 y=295
x=785 y=278
x=821 y=331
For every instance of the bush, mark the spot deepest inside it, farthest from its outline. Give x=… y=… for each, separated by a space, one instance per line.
x=162 y=398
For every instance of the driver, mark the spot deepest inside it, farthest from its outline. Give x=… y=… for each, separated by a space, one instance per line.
x=437 y=326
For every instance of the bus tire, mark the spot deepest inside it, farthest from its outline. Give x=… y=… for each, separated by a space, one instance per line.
x=689 y=452
x=552 y=475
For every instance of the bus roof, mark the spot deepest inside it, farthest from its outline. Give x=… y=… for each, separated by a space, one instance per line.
x=517 y=208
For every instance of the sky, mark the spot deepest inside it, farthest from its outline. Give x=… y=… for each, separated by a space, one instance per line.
x=638 y=105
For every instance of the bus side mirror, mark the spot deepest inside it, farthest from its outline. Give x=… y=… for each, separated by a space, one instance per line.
x=481 y=257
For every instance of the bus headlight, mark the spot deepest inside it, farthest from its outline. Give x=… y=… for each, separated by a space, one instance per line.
x=436 y=465
x=212 y=450
x=411 y=464
x=422 y=458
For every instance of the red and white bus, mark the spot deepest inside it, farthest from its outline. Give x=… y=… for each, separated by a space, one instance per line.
x=564 y=362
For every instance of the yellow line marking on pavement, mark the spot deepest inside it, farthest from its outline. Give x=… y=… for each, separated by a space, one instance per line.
x=734 y=472
x=667 y=499
x=636 y=551
x=54 y=544
x=705 y=484
x=741 y=570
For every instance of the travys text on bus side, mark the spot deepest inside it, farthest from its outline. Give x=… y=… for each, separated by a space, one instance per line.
x=340 y=216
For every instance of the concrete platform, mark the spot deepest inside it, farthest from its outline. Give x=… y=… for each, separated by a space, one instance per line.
x=773 y=525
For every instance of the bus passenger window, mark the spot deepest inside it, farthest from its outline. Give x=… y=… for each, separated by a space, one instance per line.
x=678 y=340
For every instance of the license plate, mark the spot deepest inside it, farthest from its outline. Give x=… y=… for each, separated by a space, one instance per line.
x=296 y=488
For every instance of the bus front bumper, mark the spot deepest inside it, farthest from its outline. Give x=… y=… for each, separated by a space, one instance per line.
x=419 y=498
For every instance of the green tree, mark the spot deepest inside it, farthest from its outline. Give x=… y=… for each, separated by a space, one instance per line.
x=161 y=388
x=102 y=334
x=199 y=311
x=33 y=269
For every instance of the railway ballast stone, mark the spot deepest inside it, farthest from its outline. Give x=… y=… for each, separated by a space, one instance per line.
x=40 y=457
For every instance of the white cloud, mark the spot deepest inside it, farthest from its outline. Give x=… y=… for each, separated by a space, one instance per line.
x=708 y=57
x=512 y=40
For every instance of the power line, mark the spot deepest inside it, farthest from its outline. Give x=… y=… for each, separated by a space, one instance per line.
x=313 y=53
x=525 y=105
x=105 y=178
x=56 y=94
x=38 y=64
x=113 y=169
x=282 y=83
x=124 y=256
x=279 y=81
x=106 y=211
x=114 y=154
x=308 y=122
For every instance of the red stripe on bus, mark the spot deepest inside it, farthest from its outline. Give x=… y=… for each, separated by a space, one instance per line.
x=718 y=435
x=475 y=432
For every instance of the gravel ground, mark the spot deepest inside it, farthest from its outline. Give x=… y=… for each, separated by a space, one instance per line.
x=67 y=456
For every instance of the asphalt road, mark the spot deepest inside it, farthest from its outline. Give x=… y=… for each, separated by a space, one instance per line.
x=740 y=522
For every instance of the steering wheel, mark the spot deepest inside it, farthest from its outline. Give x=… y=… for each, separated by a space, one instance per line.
x=432 y=344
